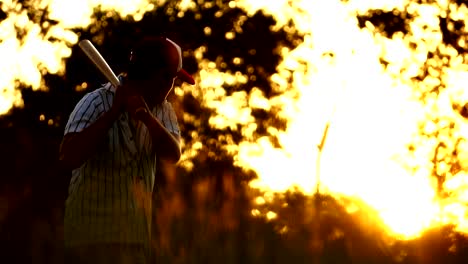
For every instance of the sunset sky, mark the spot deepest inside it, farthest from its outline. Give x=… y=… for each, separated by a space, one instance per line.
x=371 y=110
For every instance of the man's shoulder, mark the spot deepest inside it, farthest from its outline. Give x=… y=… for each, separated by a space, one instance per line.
x=103 y=89
x=97 y=94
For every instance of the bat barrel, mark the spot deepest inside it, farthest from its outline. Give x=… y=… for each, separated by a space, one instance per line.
x=93 y=54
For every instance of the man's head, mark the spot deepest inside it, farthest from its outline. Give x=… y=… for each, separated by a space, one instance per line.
x=155 y=62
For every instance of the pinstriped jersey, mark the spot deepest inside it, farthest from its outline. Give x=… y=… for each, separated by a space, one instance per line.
x=109 y=197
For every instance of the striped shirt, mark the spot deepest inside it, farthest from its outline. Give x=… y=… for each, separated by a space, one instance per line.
x=109 y=197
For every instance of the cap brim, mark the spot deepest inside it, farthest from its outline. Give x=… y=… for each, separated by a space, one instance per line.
x=185 y=76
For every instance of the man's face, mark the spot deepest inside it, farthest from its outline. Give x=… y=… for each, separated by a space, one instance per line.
x=156 y=89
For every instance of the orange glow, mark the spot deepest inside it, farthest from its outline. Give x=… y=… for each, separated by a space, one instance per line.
x=372 y=117
x=338 y=79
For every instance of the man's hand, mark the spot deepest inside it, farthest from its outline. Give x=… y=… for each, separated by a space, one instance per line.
x=128 y=99
x=137 y=107
x=122 y=93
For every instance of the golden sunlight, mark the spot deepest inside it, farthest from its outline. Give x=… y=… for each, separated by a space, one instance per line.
x=370 y=112
x=338 y=80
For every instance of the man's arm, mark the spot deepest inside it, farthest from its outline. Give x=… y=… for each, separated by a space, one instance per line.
x=76 y=148
x=165 y=143
x=85 y=133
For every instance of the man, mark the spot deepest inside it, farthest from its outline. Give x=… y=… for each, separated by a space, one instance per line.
x=111 y=142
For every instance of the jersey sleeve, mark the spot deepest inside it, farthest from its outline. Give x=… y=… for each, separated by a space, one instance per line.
x=168 y=118
x=84 y=114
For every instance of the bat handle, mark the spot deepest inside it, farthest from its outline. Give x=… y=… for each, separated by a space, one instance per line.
x=115 y=82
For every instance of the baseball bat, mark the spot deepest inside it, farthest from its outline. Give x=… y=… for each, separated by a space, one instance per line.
x=93 y=54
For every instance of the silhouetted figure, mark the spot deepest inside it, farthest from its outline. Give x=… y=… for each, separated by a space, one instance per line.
x=112 y=141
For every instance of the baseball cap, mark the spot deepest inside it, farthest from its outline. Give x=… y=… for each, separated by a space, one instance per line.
x=181 y=73
x=152 y=53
